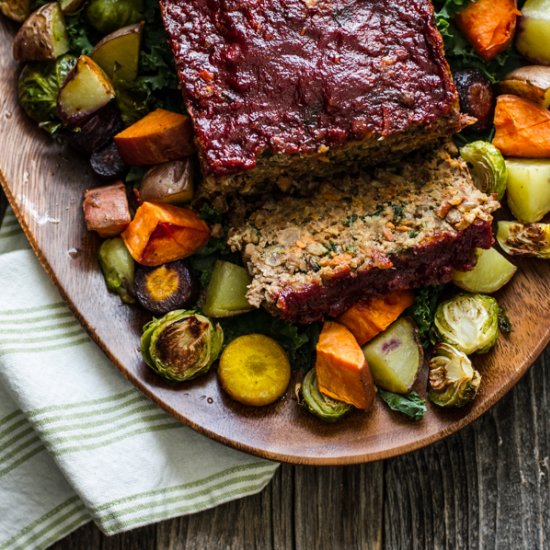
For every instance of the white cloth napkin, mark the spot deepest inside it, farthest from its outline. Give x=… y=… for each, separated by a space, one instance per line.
x=77 y=441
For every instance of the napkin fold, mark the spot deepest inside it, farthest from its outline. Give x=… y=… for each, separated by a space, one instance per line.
x=77 y=441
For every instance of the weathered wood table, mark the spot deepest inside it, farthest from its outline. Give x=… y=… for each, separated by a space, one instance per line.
x=486 y=487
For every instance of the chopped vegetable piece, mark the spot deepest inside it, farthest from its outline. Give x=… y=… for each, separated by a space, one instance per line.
x=165 y=288
x=518 y=239
x=38 y=86
x=411 y=404
x=107 y=164
x=367 y=319
x=85 y=91
x=70 y=6
x=118 y=53
x=533 y=32
x=226 y=292
x=528 y=189
x=487 y=167
x=491 y=272
x=18 y=10
x=254 y=370
x=42 y=36
x=161 y=233
x=118 y=268
x=395 y=357
x=322 y=406
x=170 y=182
x=532 y=82
x=453 y=382
x=341 y=368
x=181 y=345
x=477 y=97
x=522 y=129
x=106 y=209
x=423 y=312
x=158 y=137
x=469 y=322
x=488 y=25
x=109 y=15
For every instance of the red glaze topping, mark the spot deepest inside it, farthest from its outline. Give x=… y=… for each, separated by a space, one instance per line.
x=290 y=76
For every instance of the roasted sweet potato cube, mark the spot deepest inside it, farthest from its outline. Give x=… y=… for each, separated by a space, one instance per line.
x=161 y=233
x=158 y=137
x=341 y=368
x=106 y=209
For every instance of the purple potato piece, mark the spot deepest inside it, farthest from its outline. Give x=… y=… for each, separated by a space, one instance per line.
x=107 y=164
x=477 y=97
x=166 y=287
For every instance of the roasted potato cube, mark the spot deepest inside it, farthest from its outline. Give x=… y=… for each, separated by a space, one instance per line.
x=106 y=209
x=531 y=82
x=168 y=182
x=18 y=10
x=533 y=31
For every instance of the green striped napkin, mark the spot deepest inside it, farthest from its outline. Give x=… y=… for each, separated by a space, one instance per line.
x=77 y=441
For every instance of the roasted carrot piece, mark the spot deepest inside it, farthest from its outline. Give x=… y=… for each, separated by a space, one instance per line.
x=341 y=368
x=522 y=129
x=367 y=319
x=488 y=25
x=158 y=137
x=161 y=233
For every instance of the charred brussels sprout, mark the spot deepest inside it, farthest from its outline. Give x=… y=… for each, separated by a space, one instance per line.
x=326 y=408
x=118 y=268
x=518 y=239
x=453 y=382
x=469 y=322
x=109 y=15
x=38 y=86
x=181 y=345
x=487 y=166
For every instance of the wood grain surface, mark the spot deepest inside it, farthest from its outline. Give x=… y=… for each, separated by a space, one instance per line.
x=485 y=488
x=44 y=184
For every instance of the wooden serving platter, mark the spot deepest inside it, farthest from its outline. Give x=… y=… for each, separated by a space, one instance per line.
x=44 y=184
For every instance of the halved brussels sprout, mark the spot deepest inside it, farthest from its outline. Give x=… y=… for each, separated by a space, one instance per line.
x=453 y=382
x=468 y=322
x=118 y=268
x=326 y=408
x=491 y=272
x=487 y=167
x=181 y=345
x=518 y=239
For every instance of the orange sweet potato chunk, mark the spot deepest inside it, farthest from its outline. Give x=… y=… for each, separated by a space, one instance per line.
x=489 y=25
x=341 y=368
x=522 y=129
x=367 y=319
x=160 y=136
x=161 y=233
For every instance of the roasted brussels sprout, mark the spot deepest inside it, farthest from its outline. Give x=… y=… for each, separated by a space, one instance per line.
x=487 y=167
x=118 y=268
x=518 y=239
x=109 y=15
x=476 y=95
x=38 y=86
x=326 y=408
x=181 y=345
x=166 y=287
x=469 y=322
x=453 y=382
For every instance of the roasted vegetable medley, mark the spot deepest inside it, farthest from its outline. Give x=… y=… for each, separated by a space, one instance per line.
x=99 y=74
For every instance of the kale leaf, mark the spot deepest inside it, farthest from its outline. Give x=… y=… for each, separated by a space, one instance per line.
x=411 y=404
x=423 y=311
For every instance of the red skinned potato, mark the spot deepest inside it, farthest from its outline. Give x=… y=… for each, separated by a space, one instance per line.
x=162 y=233
x=531 y=82
x=42 y=36
x=489 y=25
x=85 y=91
x=169 y=182
x=106 y=209
x=158 y=137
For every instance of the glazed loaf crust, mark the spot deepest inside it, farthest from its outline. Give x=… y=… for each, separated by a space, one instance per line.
x=398 y=227
x=280 y=90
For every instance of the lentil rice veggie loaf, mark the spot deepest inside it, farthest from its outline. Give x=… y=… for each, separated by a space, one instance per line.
x=283 y=90
x=397 y=227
